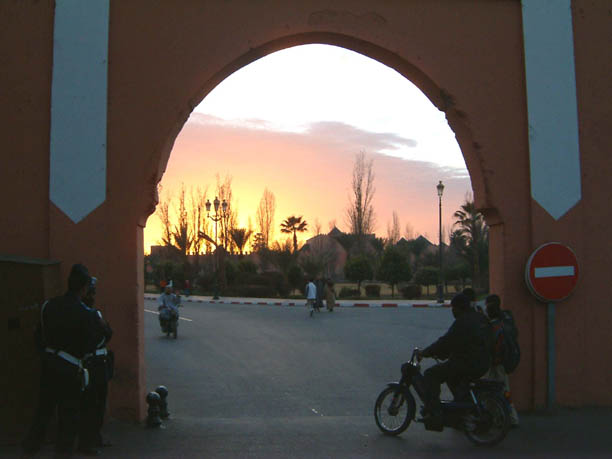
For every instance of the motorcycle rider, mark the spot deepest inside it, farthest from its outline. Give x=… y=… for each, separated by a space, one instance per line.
x=465 y=349
x=471 y=295
x=168 y=304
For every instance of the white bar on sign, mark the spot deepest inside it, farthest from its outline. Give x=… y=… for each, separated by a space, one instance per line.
x=554 y=271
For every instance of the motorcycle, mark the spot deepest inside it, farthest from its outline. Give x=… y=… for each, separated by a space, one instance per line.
x=169 y=323
x=482 y=412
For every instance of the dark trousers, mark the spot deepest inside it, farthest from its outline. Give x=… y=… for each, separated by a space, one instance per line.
x=454 y=375
x=58 y=391
x=93 y=407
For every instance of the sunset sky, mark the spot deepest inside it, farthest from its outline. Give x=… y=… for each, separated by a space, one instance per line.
x=293 y=122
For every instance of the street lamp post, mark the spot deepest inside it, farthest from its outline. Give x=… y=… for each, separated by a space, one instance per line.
x=216 y=218
x=440 y=188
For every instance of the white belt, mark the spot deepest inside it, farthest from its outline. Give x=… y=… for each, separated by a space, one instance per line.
x=64 y=355
x=98 y=352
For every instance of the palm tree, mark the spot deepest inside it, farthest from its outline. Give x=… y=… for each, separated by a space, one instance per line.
x=294 y=224
x=471 y=235
x=240 y=236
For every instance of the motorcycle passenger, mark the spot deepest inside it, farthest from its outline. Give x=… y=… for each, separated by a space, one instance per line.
x=168 y=304
x=497 y=371
x=464 y=347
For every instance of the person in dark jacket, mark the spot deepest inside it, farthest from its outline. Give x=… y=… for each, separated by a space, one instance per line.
x=93 y=401
x=471 y=295
x=68 y=330
x=320 y=284
x=464 y=349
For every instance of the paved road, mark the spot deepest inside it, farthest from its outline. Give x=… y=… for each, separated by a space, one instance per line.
x=265 y=381
x=270 y=362
x=270 y=382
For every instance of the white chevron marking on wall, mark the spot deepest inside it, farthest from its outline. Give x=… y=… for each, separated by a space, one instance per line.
x=77 y=182
x=551 y=99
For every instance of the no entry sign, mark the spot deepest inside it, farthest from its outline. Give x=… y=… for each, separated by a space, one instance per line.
x=552 y=272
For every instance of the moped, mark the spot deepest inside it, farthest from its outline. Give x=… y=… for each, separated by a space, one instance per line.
x=481 y=410
x=169 y=323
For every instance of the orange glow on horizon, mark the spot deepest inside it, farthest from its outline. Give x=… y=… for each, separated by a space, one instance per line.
x=309 y=175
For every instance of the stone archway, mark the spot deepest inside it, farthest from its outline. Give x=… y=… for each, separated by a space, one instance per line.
x=467 y=57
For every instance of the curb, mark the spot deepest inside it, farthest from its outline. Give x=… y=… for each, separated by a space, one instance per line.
x=340 y=303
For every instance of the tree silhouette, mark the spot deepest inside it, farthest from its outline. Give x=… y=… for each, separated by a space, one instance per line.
x=240 y=236
x=394 y=268
x=357 y=269
x=471 y=236
x=360 y=210
x=294 y=224
x=259 y=242
x=264 y=216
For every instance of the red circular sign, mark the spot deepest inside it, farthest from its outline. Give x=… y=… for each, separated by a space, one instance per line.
x=552 y=272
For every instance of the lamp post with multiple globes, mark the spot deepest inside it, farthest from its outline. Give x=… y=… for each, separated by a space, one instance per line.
x=216 y=217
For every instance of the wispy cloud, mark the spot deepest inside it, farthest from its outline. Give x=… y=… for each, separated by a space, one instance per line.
x=310 y=171
x=354 y=137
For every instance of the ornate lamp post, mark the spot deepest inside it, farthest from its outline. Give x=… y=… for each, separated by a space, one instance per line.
x=440 y=189
x=216 y=217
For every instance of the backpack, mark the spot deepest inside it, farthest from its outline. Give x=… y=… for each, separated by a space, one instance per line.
x=511 y=353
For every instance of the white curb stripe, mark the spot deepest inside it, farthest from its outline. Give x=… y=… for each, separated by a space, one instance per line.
x=554 y=153
x=554 y=271
x=77 y=174
x=299 y=304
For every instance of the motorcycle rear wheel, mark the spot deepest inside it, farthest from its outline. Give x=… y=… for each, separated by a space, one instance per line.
x=492 y=425
x=393 y=411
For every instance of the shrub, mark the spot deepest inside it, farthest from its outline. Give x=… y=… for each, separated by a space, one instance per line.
x=255 y=291
x=247 y=266
x=357 y=269
x=411 y=291
x=267 y=284
x=275 y=280
x=231 y=272
x=296 y=277
x=394 y=268
x=372 y=290
x=346 y=292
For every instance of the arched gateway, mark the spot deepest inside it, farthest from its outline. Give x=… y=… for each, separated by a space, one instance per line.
x=94 y=94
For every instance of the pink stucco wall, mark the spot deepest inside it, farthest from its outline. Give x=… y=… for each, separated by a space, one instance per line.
x=467 y=57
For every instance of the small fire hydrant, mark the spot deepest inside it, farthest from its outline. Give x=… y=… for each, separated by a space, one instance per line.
x=153 y=412
x=163 y=405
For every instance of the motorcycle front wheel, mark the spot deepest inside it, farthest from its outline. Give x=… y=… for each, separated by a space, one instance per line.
x=491 y=425
x=393 y=411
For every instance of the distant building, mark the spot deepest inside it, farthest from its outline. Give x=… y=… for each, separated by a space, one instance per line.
x=326 y=250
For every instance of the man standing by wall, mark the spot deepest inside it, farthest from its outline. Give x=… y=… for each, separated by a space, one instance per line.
x=68 y=330
x=93 y=403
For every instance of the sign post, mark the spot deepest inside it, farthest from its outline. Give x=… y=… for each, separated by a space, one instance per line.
x=551 y=274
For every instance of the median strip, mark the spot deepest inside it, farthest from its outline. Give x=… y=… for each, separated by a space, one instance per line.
x=286 y=303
